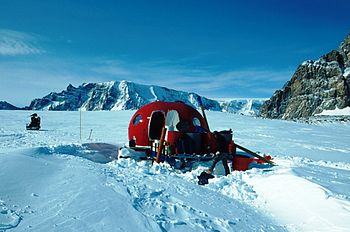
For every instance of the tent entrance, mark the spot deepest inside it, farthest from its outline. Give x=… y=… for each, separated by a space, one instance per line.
x=156 y=125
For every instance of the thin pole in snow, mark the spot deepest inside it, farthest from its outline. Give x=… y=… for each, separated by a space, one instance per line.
x=79 y=100
x=80 y=124
x=90 y=135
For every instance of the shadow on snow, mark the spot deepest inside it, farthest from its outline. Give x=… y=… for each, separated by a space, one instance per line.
x=96 y=152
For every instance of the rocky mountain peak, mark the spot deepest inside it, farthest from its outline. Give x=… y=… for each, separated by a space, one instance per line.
x=344 y=50
x=315 y=86
x=7 y=106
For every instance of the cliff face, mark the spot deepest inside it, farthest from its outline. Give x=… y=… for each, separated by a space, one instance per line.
x=315 y=86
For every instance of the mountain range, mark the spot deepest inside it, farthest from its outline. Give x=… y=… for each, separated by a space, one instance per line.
x=126 y=95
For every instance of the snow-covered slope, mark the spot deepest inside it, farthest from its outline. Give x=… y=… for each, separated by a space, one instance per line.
x=336 y=112
x=50 y=180
x=115 y=95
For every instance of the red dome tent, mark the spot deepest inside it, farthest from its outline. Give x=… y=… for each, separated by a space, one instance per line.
x=187 y=130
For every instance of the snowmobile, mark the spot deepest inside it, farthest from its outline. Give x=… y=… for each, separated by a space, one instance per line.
x=177 y=133
x=35 y=122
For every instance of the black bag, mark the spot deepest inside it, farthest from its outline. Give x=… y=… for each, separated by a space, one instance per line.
x=204 y=177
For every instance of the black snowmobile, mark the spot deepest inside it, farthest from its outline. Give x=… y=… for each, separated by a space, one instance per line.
x=34 y=122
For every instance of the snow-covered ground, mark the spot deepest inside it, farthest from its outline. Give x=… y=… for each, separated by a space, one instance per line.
x=336 y=112
x=51 y=180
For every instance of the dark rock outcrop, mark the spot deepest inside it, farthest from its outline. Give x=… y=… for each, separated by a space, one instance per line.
x=315 y=86
x=7 y=106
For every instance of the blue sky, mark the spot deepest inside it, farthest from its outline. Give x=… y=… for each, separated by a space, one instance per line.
x=219 y=49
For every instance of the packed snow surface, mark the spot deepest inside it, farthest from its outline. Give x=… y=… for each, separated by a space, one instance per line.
x=62 y=178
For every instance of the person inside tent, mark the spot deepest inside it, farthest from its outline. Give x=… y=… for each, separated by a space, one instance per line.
x=34 y=121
